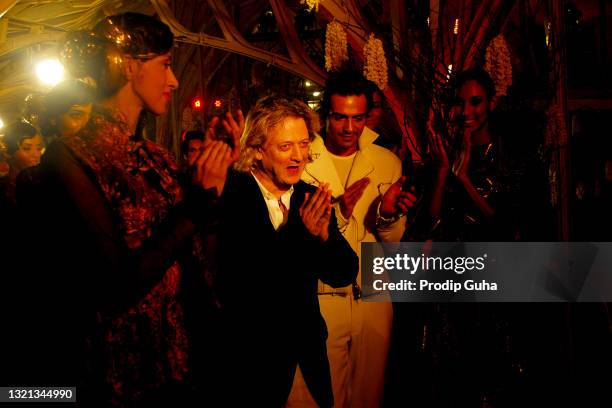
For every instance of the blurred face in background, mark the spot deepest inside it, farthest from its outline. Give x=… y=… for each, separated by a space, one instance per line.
x=73 y=120
x=194 y=149
x=29 y=152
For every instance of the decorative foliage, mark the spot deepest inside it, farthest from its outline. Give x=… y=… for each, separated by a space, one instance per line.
x=498 y=64
x=336 y=46
x=311 y=4
x=375 y=67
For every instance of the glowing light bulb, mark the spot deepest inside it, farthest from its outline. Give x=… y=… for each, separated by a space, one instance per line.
x=50 y=72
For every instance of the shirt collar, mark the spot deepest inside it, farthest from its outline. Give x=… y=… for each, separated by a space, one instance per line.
x=269 y=196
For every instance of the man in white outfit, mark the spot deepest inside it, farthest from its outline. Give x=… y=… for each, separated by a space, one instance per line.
x=366 y=183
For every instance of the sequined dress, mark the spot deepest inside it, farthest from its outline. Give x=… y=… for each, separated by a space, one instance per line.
x=121 y=223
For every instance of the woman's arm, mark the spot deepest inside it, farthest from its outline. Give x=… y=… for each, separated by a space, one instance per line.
x=441 y=167
x=118 y=274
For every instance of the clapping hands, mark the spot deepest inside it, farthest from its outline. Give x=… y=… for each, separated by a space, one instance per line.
x=210 y=168
x=316 y=210
x=351 y=196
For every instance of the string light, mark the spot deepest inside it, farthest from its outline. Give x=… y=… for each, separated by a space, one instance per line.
x=197 y=104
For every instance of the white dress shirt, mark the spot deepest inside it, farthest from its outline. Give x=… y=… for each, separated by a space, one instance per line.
x=274 y=209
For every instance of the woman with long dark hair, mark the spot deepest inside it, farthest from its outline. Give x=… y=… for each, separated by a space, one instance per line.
x=467 y=165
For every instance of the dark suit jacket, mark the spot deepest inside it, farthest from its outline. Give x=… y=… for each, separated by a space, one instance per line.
x=268 y=283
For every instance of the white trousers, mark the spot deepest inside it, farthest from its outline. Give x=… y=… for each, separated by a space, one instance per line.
x=357 y=347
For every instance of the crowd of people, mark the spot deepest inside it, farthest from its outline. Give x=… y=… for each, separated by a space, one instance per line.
x=232 y=279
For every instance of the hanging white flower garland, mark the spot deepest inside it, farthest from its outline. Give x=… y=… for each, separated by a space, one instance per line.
x=336 y=47
x=336 y=54
x=498 y=64
x=375 y=66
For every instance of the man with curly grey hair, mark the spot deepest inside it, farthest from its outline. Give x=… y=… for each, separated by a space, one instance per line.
x=278 y=235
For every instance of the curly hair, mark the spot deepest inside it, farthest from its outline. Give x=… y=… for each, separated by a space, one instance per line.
x=269 y=112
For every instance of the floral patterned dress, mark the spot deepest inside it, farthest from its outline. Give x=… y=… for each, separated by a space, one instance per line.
x=145 y=347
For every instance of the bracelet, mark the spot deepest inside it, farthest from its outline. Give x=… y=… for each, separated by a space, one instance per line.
x=382 y=220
